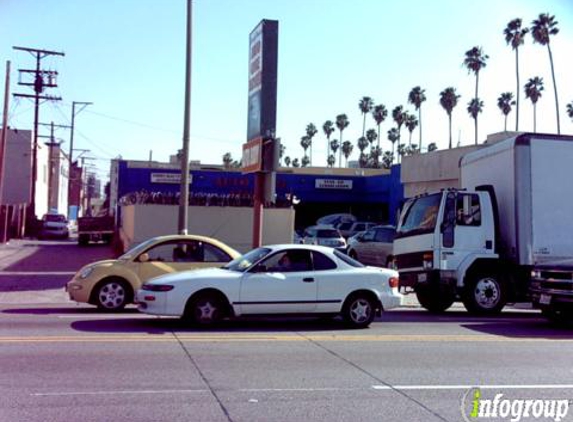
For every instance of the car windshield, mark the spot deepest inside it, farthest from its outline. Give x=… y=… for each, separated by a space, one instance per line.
x=327 y=233
x=136 y=250
x=350 y=261
x=420 y=216
x=245 y=261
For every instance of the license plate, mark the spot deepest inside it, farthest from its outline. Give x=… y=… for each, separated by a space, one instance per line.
x=545 y=299
x=422 y=278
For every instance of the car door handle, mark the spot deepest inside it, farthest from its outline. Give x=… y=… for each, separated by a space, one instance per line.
x=308 y=280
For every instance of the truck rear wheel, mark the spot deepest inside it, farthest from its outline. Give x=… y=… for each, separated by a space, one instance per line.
x=434 y=300
x=485 y=293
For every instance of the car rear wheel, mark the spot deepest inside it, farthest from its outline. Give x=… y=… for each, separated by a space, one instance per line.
x=113 y=295
x=359 y=311
x=206 y=309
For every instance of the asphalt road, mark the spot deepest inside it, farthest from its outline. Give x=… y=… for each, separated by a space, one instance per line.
x=61 y=361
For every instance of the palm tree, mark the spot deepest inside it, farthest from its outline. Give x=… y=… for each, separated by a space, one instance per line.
x=310 y=132
x=411 y=123
x=328 y=129
x=504 y=102
x=305 y=161
x=393 y=136
x=347 y=148
x=363 y=160
x=475 y=107
x=570 y=110
x=448 y=100
x=305 y=143
x=379 y=113
x=514 y=35
x=371 y=136
x=227 y=160
x=331 y=160
x=417 y=96
x=542 y=28
x=432 y=147
x=282 y=150
x=341 y=123
x=533 y=90
x=334 y=145
x=295 y=163
x=362 y=145
x=401 y=152
x=375 y=155
x=399 y=116
x=287 y=161
x=365 y=105
x=475 y=61
x=387 y=159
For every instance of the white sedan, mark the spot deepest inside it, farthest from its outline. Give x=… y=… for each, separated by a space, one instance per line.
x=276 y=280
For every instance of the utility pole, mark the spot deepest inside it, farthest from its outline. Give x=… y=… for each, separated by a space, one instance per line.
x=71 y=161
x=184 y=197
x=42 y=79
x=3 y=148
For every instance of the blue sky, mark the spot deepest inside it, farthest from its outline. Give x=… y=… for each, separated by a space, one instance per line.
x=127 y=58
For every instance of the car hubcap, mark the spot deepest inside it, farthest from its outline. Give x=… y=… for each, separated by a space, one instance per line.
x=360 y=310
x=112 y=295
x=206 y=312
x=487 y=293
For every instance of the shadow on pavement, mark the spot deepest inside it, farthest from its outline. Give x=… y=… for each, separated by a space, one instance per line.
x=57 y=310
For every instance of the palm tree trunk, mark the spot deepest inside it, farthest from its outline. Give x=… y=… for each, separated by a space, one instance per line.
x=410 y=140
x=505 y=123
x=378 y=135
x=476 y=129
x=327 y=149
x=554 y=88
x=534 y=118
x=420 y=125
x=364 y=124
x=477 y=82
x=340 y=151
x=517 y=91
x=450 y=119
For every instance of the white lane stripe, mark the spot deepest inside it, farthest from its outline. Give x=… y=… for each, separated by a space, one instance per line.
x=101 y=393
x=307 y=390
x=483 y=387
x=46 y=273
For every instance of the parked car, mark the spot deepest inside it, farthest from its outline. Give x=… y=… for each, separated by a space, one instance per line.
x=111 y=284
x=348 y=229
x=54 y=226
x=276 y=280
x=374 y=246
x=323 y=235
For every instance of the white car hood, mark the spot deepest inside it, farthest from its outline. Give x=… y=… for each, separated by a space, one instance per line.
x=201 y=274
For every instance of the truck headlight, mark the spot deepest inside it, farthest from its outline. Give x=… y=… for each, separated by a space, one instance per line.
x=428 y=260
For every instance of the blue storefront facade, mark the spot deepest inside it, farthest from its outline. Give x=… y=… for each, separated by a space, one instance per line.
x=374 y=197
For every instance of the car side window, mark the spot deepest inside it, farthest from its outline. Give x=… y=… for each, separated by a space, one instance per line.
x=368 y=236
x=288 y=261
x=214 y=254
x=385 y=235
x=163 y=252
x=321 y=262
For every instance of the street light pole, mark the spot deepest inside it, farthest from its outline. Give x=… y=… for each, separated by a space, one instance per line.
x=71 y=151
x=184 y=195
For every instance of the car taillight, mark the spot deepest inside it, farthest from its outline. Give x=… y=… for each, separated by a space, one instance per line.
x=157 y=287
x=393 y=282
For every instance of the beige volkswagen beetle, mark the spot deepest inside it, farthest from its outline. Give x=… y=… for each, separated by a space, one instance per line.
x=110 y=284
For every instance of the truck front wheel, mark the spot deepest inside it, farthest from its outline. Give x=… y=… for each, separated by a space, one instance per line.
x=485 y=294
x=434 y=300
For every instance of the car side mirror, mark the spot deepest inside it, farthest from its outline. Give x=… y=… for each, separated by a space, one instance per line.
x=144 y=257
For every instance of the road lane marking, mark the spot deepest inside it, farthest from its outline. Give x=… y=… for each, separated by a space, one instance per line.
x=46 y=273
x=107 y=392
x=483 y=387
x=165 y=336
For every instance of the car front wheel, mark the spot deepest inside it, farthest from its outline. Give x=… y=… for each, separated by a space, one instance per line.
x=112 y=295
x=206 y=309
x=359 y=311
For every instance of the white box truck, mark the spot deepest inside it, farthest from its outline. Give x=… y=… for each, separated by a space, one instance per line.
x=506 y=236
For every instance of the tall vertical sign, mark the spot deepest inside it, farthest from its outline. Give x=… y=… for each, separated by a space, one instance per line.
x=259 y=152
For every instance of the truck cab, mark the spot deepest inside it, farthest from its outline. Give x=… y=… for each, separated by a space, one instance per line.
x=445 y=250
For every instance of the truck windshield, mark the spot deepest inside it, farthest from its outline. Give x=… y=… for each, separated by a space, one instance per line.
x=420 y=215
